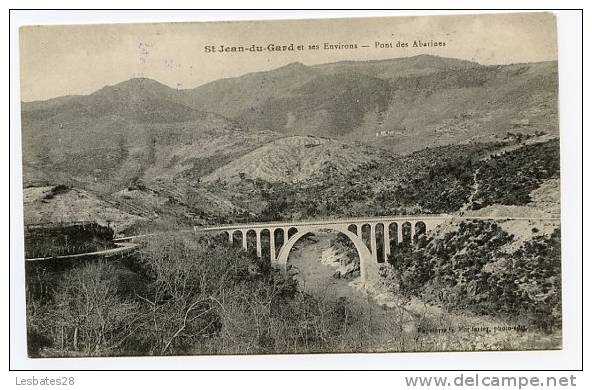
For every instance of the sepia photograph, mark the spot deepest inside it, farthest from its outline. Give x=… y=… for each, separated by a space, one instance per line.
x=264 y=187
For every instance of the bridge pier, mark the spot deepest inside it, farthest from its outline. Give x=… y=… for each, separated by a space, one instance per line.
x=387 y=242
x=230 y=232
x=258 y=234
x=272 y=245
x=399 y=233
x=244 y=233
x=373 y=240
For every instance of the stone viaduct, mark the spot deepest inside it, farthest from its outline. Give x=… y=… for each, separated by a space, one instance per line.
x=359 y=230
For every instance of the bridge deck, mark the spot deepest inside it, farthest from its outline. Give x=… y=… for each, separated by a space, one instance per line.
x=341 y=221
x=358 y=220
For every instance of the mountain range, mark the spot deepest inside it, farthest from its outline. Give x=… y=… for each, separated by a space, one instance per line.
x=402 y=104
x=282 y=125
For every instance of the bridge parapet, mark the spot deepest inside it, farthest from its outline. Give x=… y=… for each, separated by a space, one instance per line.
x=340 y=221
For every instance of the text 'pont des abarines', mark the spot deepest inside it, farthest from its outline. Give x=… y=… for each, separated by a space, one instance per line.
x=274 y=47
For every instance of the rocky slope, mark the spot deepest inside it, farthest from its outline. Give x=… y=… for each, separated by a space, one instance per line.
x=43 y=205
x=296 y=159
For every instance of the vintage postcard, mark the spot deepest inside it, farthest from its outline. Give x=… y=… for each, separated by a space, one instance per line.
x=385 y=184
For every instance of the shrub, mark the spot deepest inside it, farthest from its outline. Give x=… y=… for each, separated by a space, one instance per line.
x=183 y=294
x=86 y=316
x=470 y=269
x=59 y=239
x=511 y=177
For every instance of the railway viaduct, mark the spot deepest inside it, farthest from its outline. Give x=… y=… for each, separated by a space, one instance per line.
x=359 y=230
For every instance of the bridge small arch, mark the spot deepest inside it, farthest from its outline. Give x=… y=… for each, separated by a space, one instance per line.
x=353 y=228
x=365 y=234
x=237 y=238
x=278 y=234
x=292 y=231
x=379 y=239
x=420 y=229
x=265 y=237
x=251 y=241
x=393 y=231
x=406 y=229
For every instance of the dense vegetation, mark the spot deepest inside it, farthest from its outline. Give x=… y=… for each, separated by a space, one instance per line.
x=180 y=296
x=66 y=239
x=469 y=269
x=510 y=178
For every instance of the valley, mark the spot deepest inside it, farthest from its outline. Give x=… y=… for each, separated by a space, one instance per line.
x=398 y=323
x=422 y=135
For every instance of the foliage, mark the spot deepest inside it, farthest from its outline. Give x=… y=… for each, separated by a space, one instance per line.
x=182 y=295
x=66 y=239
x=470 y=269
x=433 y=180
x=86 y=314
x=511 y=177
x=536 y=270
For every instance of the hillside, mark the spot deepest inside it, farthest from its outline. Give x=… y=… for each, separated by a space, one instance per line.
x=141 y=129
x=233 y=96
x=299 y=182
x=296 y=159
x=398 y=67
x=471 y=269
x=416 y=101
x=44 y=205
x=309 y=177
x=123 y=133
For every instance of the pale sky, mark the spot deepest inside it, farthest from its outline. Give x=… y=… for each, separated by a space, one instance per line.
x=80 y=59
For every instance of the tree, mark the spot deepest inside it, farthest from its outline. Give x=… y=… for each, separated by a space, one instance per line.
x=88 y=315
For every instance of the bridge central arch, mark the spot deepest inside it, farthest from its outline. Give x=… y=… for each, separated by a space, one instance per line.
x=368 y=267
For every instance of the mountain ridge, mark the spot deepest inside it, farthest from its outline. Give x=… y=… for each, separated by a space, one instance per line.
x=143 y=129
x=27 y=105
